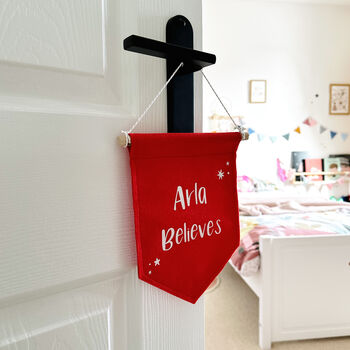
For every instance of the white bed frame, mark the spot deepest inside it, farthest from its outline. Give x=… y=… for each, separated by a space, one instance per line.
x=303 y=287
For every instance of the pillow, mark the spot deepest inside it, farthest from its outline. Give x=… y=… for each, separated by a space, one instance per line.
x=248 y=184
x=262 y=185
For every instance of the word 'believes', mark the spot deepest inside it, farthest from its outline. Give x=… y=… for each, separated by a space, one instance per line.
x=186 y=233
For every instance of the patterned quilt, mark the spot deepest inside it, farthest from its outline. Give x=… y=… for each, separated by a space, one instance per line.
x=247 y=258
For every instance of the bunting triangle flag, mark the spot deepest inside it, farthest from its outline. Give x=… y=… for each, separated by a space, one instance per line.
x=297 y=130
x=333 y=134
x=322 y=129
x=273 y=139
x=261 y=137
x=306 y=122
x=286 y=136
x=251 y=131
x=310 y=121
x=313 y=122
x=344 y=135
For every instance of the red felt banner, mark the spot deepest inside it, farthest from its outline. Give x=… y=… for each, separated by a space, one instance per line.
x=185 y=208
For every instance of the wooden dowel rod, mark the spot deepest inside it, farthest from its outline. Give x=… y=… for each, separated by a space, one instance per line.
x=123 y=140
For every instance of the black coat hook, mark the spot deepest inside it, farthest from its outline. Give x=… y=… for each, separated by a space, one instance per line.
x=178 y=48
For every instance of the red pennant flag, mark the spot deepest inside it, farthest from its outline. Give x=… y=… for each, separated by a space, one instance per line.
x=310 y=121
x=306 y=121
x=185 y=207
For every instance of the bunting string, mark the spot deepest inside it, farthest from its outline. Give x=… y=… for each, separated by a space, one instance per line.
x=310 y=122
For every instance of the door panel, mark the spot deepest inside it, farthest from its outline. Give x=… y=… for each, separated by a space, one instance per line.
x=78 y=319
x=68 y=275
x=66 y=57
x=61 y=34
x=65 y=200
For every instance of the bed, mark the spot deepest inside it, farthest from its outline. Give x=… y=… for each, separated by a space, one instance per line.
x=303 y=279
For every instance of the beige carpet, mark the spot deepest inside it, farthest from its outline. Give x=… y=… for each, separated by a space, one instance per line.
x=232 y=320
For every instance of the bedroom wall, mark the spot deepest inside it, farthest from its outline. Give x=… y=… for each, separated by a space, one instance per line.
x=299 y=49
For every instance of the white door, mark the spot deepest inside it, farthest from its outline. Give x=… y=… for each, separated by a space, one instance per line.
x=67 y=253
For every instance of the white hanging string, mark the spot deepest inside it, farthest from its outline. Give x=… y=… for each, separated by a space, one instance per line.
x=127 y=141
x=238 y=127
x=154 y=100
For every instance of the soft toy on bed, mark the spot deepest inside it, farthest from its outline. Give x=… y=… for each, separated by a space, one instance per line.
x=245 y=184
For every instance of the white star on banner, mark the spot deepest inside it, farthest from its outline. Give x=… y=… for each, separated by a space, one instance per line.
x=157 y=262
x=220 y=174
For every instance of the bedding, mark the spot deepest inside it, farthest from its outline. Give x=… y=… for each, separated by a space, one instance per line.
x=298 y=217
x=290 y=206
